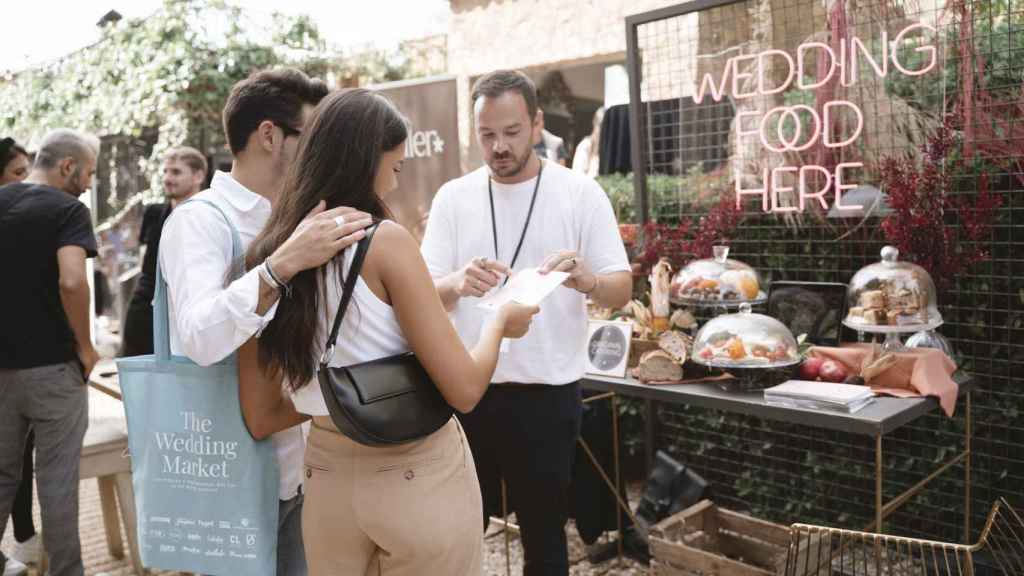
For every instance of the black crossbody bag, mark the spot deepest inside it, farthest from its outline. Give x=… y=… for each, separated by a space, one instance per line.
x=383 y=402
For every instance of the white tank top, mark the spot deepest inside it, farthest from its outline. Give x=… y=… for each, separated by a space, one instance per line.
x=369 y=331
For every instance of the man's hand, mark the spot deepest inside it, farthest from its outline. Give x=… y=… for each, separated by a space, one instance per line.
x=316 y=239
x=580 y=276
x=88 y=358
x=479 y=276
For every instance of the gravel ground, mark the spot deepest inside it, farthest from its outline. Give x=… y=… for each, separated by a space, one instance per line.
x=97 y=558
x=494 y=551
x=494 y=557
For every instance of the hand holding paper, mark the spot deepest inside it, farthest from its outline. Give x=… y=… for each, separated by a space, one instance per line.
x=525 y=287
x=580 y=278
x=516 y=319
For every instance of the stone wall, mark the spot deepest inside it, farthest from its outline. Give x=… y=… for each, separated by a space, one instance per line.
x=486 y=35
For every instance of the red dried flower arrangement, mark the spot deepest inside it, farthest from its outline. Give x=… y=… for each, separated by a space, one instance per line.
x=690 y=238
x=941 y=231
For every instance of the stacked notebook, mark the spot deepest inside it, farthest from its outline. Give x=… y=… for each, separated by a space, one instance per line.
x=844 y=398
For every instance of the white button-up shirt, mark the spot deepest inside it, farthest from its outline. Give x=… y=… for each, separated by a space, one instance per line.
x=210 y=318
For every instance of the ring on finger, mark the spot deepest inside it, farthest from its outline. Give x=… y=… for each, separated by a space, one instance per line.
x=572 y=262
x=339 y=220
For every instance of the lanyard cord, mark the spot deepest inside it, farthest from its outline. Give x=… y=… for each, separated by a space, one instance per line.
x=529 y=213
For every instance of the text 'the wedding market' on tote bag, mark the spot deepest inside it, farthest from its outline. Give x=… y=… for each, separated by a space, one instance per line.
x=206 y=493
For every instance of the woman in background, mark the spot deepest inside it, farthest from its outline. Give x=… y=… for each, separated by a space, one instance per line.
x=14 y=167
x=588 y=153
x=14 y=164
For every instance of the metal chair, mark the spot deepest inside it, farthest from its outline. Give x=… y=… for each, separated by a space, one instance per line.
x=822 y=551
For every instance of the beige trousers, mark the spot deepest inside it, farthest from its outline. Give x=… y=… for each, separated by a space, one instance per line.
x=405 y=510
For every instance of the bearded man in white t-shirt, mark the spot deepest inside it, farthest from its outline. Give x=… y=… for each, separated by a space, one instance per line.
x=520 y=212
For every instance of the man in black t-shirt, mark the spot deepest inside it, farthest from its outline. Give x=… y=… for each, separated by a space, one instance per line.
x=46 y=351
x=183 y=176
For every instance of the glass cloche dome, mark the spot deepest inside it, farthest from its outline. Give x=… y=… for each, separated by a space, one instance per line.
x=892 y=296
x=717 y=281
x=745 y=340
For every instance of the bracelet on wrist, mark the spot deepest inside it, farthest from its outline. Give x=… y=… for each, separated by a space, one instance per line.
x=594 y=287
x=275 y=280
x=261 y=271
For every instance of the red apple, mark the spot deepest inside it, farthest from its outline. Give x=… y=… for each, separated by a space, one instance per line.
x=832 y=371
x=811 y=369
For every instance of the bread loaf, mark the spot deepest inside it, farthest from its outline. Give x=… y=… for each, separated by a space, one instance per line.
x=676 y=344
x=659 y=366
x=684 y=319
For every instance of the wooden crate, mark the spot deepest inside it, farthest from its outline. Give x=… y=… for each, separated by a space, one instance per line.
x=711 y=541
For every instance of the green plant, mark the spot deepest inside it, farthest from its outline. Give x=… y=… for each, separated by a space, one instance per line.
x=619 y=188
x=162 y=79
x=668 y=195
x=998 y=39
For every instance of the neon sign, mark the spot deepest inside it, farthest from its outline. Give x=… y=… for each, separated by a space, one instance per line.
x=781 y=129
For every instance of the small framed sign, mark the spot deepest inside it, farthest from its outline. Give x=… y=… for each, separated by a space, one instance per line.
x=608 y=347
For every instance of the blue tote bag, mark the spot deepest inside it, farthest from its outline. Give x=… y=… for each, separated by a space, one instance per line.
x=206 y=493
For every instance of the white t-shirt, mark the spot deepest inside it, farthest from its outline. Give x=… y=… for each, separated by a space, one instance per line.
x=572 y=213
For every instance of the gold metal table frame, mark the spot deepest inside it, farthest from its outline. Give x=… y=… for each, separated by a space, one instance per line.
x=706 y=395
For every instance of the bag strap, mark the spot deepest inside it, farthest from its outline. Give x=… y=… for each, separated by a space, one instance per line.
x=161 y=316
x=350 y=284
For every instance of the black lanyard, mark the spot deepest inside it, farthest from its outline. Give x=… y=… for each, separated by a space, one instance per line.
x=494 y=224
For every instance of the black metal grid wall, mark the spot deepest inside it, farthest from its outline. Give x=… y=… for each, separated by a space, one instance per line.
x=793 y=473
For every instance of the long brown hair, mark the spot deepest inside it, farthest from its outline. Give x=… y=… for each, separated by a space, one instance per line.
x=337 y=160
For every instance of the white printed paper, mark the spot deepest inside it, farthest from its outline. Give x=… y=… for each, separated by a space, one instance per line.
x=821 y=391
x=527 y=287
x=848 y=398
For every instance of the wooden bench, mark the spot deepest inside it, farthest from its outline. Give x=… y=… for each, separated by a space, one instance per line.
x=105 y=457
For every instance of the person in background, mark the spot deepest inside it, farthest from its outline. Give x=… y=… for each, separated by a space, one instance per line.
x=517 y=212
x=14 y=162
x=46 y=350
x=263 y=118
x=184 y=173
x=588 y=153
x=14 y=166
x=548 y=145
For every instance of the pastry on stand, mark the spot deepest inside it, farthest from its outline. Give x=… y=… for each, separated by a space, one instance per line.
x=746 y=345
x=718 y=283
x=892 y=297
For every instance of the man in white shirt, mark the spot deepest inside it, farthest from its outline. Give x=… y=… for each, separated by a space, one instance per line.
x=210 y=318
x=520 y=212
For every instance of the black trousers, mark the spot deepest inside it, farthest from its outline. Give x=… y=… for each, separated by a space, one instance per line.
x=21 y=511
x=137 y=333
x=526 y=434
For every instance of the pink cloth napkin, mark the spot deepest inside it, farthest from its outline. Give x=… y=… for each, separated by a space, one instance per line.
x=917 y=372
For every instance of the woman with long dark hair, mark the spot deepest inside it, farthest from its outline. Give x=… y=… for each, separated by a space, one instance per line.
x=28 y=548
x=14 y=162
x=399 y=510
